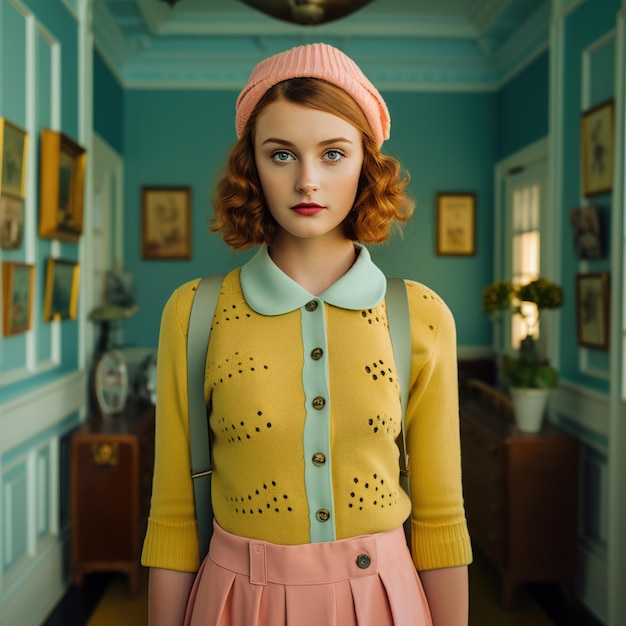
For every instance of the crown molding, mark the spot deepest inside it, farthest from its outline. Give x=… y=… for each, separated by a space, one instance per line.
x=237 y=24
x=218 y=49
x=531 y=38
x=110 y=41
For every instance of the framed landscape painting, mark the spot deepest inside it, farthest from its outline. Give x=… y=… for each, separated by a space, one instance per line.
x=13 y=145
x=61 y=290
x=62 y=182
x=18 y=280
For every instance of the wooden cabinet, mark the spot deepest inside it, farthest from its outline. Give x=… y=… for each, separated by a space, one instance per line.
x=520 y=492
x=111 y=479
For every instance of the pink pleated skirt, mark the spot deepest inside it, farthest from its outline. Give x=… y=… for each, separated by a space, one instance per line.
x=365 y=581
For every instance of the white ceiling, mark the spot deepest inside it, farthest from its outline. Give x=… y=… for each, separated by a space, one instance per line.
x=401 y=44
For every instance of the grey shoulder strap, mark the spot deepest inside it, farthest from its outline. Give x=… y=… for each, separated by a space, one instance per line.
x=399 y=320
x=200 y=320
x=400 y=330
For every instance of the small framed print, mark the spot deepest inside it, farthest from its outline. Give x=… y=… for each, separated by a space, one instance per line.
x=592 y=310
x=587 y=233
x=11 y=221
x=597 y=131
x=13 y=147
x=61 y=290
x=62 y=187
x=166 y=222
x=456 y=224
x=18 y=280
x=111 y=382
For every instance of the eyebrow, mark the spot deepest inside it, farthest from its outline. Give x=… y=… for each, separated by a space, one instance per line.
x=326 y=142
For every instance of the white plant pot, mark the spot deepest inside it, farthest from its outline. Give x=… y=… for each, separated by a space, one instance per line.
x=529 y=405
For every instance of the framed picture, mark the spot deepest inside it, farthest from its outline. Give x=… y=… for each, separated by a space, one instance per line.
x=18 y=283
x=166 y=222
x=587 y=233
x=597 y=131
x=13 y=146
x=62 y=187
x=11 y=221
x=592 y=310
x=456 y=224
x=61 y=292
x=110 y=382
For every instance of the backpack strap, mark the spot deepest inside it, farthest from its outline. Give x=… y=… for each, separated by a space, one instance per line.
x=200 y=320
x=399 y=321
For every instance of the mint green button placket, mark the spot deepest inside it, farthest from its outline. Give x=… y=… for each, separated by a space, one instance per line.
x=317 y=473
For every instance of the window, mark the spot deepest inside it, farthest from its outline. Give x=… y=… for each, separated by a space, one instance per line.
x=526 y=240
x=524 y=219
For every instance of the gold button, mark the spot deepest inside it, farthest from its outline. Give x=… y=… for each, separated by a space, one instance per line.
x=318 y=403
x=311 y=306
x=316 y=354
x=319 y=459
x=323 y=515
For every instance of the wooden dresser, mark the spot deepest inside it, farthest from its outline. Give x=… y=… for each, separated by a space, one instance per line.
x=111 y=481
x=520 y=492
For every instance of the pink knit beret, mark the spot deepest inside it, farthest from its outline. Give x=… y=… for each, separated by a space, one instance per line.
x=318 y=60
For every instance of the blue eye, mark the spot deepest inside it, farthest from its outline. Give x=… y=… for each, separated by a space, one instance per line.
x=334 y=155
x=282 y=156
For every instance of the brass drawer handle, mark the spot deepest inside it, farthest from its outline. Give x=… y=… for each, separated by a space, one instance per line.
x=105 y=454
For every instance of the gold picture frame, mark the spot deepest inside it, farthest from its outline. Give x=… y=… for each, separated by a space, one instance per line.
x=61 y=290
x=11 y=221
x=456 y=224
x=598 y=148
x=18 y=285
x=13 y=151
x=592 y=310
x=62 y=187
x=166 y=222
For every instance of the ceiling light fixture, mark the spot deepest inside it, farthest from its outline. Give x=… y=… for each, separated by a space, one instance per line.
x=307 y=12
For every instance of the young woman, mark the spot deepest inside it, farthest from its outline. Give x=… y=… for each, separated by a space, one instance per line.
x=301 y=384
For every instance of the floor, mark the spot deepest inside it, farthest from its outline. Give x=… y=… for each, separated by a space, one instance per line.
x=534 y=604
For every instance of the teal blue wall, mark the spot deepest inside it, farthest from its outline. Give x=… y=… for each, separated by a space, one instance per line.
x=446 y=141
x=590 y=22
x=108 y=105
x=62 y=25
x=523 y=107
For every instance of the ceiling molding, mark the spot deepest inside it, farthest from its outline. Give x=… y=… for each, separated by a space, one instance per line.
x=483 y=14
x=152 y=46
x=232 y=23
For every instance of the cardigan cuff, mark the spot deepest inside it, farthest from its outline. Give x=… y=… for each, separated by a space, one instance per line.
x=171 y=546
x=436 y=547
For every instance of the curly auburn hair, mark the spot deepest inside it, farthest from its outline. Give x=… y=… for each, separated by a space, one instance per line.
x=241 y=213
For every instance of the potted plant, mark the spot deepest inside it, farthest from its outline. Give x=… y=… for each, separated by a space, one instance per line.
x=529 y=375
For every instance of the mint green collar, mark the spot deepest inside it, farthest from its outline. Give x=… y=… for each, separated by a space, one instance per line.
x=269 y=291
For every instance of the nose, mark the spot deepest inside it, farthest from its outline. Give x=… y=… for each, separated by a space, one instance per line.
x=308 y=180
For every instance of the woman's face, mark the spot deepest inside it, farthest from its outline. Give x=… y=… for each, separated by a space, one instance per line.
x=309 y=163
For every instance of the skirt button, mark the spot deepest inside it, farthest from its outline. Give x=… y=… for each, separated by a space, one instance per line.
x=363 y=561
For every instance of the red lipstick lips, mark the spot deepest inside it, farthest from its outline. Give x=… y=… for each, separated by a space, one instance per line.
x=307 y=208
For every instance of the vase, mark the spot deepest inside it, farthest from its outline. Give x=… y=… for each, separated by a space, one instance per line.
x=529 y=406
